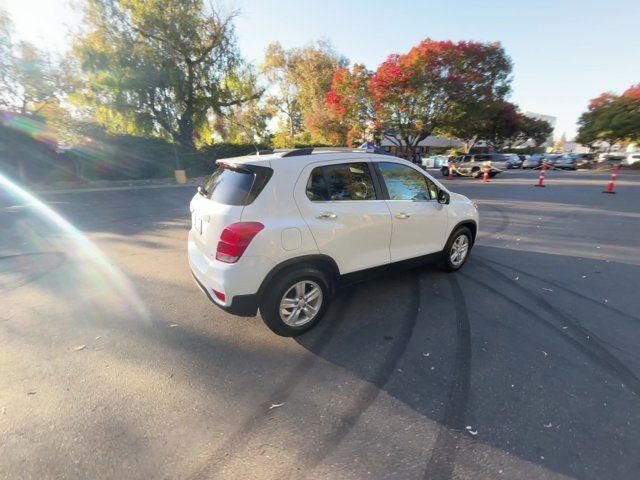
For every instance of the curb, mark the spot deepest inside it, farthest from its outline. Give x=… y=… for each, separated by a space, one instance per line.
x=110 y=189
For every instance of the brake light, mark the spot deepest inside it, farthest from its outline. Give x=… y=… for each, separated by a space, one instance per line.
x=235 y=239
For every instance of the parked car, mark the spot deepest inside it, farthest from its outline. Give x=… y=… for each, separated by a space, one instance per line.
x=436 y=161
x=473 y=164
x=613 y=158
x=550 y=158
x=281 y=232
x=582 y=160
x=532 y=161
x=632 y=158
x=514 y=160
x=566 y=162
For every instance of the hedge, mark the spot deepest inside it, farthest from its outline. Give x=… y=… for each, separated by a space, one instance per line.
x=107 y=157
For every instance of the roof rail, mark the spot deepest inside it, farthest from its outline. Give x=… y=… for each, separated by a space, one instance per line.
x=309 y=150
x=265 y=151
x=296 y=152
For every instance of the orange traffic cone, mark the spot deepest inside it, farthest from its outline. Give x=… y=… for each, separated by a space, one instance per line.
x=450 y=177
x=485 y=176
x=609 y=188
x=541 y=179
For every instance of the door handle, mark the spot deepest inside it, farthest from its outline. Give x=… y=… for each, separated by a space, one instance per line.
x=402 y=216
x=327 y=215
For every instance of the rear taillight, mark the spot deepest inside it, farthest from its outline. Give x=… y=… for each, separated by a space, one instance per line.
x=235 y=239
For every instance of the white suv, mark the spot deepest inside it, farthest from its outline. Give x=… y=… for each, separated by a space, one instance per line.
x=281 y=231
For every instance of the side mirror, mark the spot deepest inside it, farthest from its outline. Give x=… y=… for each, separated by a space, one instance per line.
x=443 y=197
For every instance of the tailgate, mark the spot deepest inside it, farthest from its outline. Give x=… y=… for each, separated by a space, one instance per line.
x=208 y=219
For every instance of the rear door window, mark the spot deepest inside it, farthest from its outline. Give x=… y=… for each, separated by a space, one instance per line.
x=344 y=181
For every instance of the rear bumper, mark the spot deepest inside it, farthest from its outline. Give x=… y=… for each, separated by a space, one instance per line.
x=241 y=305
x=238 y=282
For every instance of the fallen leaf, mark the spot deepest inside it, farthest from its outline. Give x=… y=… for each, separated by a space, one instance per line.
x=3 y=411
x=545 y=353
x=516 y=278
x=426 y=354
x=547 y=289
x=80 y=347
x=31 y=392
x=276 y=405
x=173 y=325
x=548 y=425
x=471 y=430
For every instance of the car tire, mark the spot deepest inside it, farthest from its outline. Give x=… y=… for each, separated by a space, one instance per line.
x=476 y=172
x=270 y=308
x=446 y=262
x=444 y=171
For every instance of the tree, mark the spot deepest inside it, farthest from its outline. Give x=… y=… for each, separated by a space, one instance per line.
x=30 y=80
x=502 y=127
x=301 y=79
x=6 y=56
x=420 y=93
x=534 y=129
x=160 y=66
x=284 y=97
x=351 y=103
x=611 y=118
x=246 y=123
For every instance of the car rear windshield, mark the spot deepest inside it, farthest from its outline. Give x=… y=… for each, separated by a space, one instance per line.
x=236 y=185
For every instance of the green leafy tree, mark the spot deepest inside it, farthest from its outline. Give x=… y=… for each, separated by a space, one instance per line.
x=300 y=79
x=30 y=80
x=611 y=118
x=6 y=56
x=160 y=66
x=283 y=95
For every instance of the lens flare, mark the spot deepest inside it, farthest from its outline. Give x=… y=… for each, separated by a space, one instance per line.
x=108 y=284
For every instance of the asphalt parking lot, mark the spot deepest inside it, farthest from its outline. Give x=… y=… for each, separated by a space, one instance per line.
x=525 y=364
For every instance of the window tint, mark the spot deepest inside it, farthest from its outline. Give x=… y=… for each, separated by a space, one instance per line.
x=229 y=187
x=346 y=181
x=405 y=183
x=317 y=187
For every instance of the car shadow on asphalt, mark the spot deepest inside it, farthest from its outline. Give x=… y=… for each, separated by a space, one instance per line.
x=497 y=355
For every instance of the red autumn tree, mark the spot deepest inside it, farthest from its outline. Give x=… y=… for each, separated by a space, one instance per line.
x=632 y=92
x=417 y=94
x=351 y=102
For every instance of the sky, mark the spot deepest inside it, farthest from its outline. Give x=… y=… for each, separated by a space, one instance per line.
x=564 y=52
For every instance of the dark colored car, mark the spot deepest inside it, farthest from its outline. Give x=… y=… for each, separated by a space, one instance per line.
x=550 y=158
x=531 y=161
x=566 y=162
x=514 y=161
x=583 y=160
